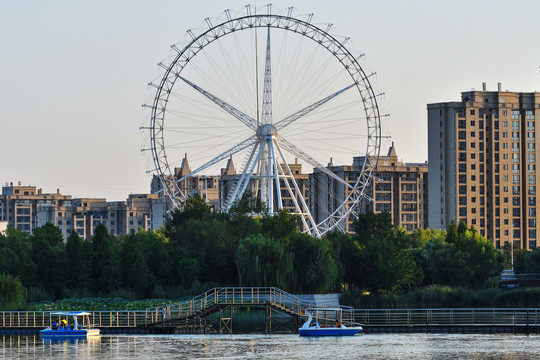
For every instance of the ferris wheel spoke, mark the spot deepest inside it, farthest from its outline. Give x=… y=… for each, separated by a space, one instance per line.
x=243 y=145
x=244 y=118
x=267 y=90
x=297 y=115
x=302 y=155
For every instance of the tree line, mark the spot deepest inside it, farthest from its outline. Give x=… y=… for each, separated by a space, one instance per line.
x=198 y=249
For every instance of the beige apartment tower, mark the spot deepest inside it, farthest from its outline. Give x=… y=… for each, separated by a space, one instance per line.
x=482 y=164
x=397 y=188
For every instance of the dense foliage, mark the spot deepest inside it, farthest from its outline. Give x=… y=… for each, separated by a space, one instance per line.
x=198 y=249
x=12 y=292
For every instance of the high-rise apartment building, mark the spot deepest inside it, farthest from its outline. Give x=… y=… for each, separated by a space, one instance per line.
x=482 y=164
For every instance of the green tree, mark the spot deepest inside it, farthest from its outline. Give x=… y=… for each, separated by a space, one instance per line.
x=314 y=268
x=264 y=262
x=385 y=262
x=134 y=271
x=281 y=225
x=12 y=292
x=464 y=258
x=49 y=256
x=104 y=261
x=74 y=257
x=16 y=256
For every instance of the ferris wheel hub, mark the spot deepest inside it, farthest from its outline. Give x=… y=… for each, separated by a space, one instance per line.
x=266 y=130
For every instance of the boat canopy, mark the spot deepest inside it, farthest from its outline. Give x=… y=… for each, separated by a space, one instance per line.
x=70 y=313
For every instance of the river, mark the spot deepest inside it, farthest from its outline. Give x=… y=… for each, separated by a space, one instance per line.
x=364 y=346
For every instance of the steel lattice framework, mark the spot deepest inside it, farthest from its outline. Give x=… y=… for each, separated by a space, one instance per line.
x=266 y=146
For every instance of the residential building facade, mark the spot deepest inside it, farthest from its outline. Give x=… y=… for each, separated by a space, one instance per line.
x=19 y=205
x=482 y=155
x=396 y=187
x=139 y=211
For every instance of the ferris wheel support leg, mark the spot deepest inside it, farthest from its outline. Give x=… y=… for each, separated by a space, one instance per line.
x=299 y=194
x=233 y=195
x=293 y=197
x=251 y=172
x=276 y=176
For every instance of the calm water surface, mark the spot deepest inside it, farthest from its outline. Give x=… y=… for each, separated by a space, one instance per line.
x=394 y=346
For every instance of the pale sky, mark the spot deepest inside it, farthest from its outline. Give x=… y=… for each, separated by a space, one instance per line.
x=74 y=74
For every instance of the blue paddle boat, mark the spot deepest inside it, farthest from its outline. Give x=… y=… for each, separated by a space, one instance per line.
x=313 y=328
x=61 y=329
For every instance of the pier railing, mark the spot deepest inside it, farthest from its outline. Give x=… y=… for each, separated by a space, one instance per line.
x=216 y=299
x=450 y=317
x=371 y=317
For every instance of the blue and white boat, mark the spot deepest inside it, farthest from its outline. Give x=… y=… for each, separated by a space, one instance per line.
x=313 y=328
x=61 y=329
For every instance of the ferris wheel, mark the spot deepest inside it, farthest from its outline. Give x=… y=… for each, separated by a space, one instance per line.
x=275 y=96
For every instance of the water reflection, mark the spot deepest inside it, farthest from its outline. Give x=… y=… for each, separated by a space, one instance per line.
x=380 y=346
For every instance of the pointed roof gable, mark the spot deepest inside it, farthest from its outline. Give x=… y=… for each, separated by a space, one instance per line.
x=184 y=168
x=229 y=168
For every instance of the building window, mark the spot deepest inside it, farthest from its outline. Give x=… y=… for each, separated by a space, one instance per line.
x=462 y=124
x=530 y=147
x=515 y=115
x=472 y=134
x=531 y=179
x=531 y=190
x=530 y=115
x=462 y=211
x=472 y=123
x=472 y=112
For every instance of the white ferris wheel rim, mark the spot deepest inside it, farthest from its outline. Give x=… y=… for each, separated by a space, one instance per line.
x=287 y=22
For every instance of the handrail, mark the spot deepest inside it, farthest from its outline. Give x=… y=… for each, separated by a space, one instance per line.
x=369 y=317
